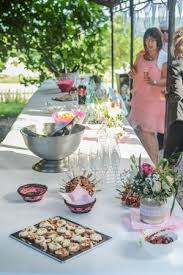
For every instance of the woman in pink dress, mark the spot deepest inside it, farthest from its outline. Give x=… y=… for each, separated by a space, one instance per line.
x=148 y=101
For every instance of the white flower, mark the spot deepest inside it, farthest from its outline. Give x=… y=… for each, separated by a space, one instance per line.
x=114 y=112
x=145 y=190
x=149 y=180
x=170 y=180
x=156 y=177
x=165 y=186
x=156 y=186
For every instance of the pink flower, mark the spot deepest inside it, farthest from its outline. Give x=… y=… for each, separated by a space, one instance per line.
x=79 y=114
x=147 y=169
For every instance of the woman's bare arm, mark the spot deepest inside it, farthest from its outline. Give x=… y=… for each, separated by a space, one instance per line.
x=162 y=81
x=133 y=70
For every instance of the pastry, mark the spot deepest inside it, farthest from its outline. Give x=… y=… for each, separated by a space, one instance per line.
x=70 y=226
x=44 y=245
x=79 y=230
x=68 y=234
x=54 y=220
x=23 y=234
x=41 y=231
x=61 y=222
x=76 y=238
x=54 y=246
x=63 y=252
x=74 y=247
x=39 y=239
x=31 y=228
x=66 y=243
x=58 y=239
x=46 y=224
x=89 y=231
x=51 y=235
x=96 y=237
x=86 y=244
x=32 y=236
x=61 y=230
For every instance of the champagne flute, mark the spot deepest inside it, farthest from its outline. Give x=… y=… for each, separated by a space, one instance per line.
x=115 y=160
x=104 y=158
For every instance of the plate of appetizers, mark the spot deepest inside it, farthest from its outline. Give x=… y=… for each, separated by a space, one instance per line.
x=60 y=238
x=65 y=97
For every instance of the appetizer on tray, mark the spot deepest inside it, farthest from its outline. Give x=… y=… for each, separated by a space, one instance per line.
x=60 y=238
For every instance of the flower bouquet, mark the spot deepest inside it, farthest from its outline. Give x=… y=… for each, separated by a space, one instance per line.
x=63 y=117
x=67 y=117
x=101 y=114
x=154 y=185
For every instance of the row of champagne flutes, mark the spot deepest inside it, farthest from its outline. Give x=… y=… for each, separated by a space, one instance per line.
x=110 y=156
x=102 y=158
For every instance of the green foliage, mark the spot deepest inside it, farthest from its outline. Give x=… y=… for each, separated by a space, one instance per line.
x=52 y=36
x=99 y=113
x=111 y=120
x=157 y=183
x=9 y=79
x=11 y=109
x=121 y=44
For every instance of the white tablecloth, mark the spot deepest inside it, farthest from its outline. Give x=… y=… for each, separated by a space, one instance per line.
x=121 y=255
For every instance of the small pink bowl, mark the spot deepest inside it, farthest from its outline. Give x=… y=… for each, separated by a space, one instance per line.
x=65 y=85
x=32 y=192
x=79 y=209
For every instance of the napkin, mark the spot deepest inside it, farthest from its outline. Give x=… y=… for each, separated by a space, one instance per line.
x=173 y=222
x=78 y=197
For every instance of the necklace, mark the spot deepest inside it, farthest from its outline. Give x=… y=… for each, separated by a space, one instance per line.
x=149 y=58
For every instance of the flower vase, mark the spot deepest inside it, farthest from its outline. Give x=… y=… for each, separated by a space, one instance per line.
x=152 y=212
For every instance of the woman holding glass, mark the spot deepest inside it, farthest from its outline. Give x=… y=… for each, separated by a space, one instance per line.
x=148 y=101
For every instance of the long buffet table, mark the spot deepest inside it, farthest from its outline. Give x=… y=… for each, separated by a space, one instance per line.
x=120 y=255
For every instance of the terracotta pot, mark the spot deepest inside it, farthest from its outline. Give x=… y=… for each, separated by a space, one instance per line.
x=152 y=212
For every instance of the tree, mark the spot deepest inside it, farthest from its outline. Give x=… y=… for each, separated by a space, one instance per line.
x=52 y=36
x=121 y=44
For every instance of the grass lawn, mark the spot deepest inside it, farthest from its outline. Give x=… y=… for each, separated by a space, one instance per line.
x=11 y=109
x=9 y=79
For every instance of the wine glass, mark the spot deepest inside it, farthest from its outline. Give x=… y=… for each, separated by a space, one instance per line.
x=115 y=161
x=83 y=161
x=104 y=158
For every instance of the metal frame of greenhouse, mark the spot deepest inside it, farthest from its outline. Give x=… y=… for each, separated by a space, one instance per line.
x=121 y=5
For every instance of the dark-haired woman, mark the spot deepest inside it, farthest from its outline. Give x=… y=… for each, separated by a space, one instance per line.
x=148 y=101
x=174 y=143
